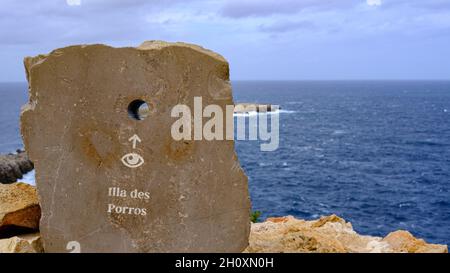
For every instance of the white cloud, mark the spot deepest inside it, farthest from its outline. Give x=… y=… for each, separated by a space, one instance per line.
x=374 y=2
x=73 y=2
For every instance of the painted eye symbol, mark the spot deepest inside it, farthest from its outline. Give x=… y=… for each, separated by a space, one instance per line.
x=132 y=160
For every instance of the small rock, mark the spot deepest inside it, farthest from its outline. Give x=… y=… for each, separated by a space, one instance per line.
x=19 y=209
x=29 y=243
x=403 y=241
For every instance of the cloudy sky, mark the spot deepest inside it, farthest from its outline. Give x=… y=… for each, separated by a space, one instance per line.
x=262 y=39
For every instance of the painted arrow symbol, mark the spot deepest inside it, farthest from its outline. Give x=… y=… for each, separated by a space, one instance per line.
x=135 y=139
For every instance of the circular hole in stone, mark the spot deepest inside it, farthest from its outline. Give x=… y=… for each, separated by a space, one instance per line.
x=138 y=110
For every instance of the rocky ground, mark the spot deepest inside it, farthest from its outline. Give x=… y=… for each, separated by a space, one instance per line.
x=20 y=213
x=330 y=234
x=13 y=166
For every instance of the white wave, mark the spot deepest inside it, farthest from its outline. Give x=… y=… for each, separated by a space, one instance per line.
x=339 y=132
x=295 y=102
x=254 y=113
x=246 y=114
x=29 y=178
x=282 y=111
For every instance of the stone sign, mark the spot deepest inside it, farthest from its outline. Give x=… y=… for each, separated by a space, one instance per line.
x=110 y=176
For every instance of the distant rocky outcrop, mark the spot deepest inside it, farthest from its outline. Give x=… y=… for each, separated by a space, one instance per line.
x=330 y=234
x=13 y=166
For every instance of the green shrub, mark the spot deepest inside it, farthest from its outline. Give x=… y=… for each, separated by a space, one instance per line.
x=254 y=216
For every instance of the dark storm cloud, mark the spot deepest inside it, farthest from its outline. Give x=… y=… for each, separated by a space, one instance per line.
x=242 y=30
x=27 y=22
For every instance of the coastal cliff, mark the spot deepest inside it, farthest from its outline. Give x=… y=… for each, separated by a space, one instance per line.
x=19 y=219
x=14 y=166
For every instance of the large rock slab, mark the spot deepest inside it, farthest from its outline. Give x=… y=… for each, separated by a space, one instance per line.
x=111 y=183
x=19 y=209
x=330 y=234
x=28 y=243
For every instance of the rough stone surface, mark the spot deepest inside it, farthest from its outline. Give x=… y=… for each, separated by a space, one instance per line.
x=77 y=130
x=19 y=209
x=30 y=243
x=403 y=241
x=329 y=234
x=13 y=166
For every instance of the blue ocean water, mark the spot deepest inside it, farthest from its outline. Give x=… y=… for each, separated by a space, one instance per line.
x=376 y=153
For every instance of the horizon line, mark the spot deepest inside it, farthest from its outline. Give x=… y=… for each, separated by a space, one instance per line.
x=312 y=80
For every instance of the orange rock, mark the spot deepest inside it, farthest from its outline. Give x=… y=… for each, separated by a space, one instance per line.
x=403 y=241
x=329 y=219
x=329 y=234
x=19 y=208
x=278 y=219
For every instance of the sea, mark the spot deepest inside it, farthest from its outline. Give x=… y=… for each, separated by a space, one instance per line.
x=376 y=153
